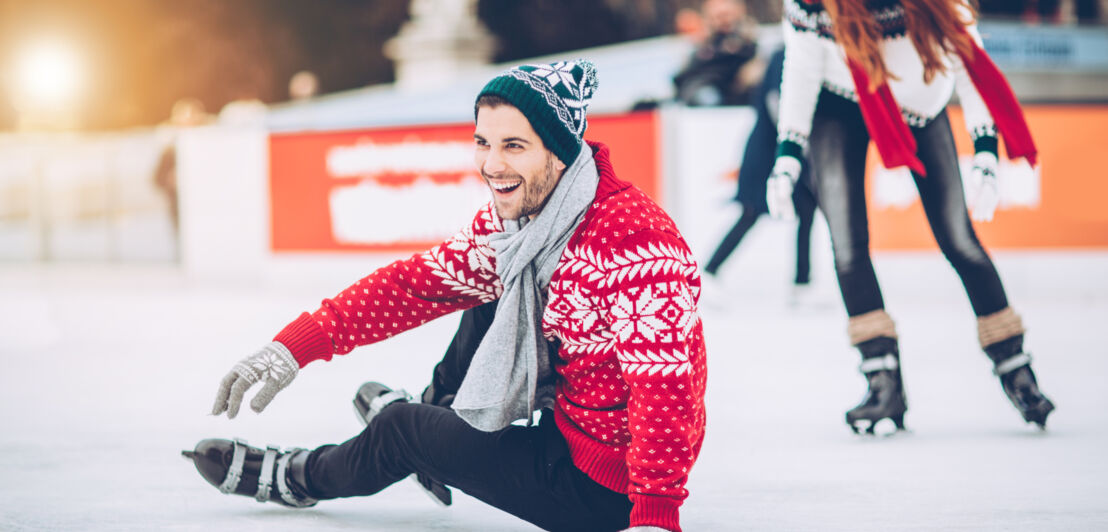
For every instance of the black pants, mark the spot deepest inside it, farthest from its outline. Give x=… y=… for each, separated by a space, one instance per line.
x=805 y=213
x=838 y=144
x=525 y=471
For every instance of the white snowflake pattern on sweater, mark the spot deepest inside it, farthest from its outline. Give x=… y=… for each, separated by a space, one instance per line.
x=814 y=62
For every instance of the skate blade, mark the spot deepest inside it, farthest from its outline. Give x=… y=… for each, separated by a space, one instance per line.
x=443 y=499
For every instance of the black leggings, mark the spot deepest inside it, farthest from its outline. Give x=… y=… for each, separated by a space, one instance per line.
x=837 y=154
x=805 y=213
x=525 y=471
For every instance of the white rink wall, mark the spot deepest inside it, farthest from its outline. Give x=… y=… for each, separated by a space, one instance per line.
x=225 y=213
x=84 y=197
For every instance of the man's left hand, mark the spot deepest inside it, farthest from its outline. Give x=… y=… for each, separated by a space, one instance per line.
x=273 y=365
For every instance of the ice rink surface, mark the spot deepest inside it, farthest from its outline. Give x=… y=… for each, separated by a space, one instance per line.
x=108 y=373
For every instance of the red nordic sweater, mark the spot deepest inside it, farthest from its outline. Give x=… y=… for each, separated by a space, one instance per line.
x=630 y=400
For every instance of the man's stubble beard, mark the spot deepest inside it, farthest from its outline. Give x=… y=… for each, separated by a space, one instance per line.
x=535 y=192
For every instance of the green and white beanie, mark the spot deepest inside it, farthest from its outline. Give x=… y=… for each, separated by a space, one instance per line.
x=554 y=98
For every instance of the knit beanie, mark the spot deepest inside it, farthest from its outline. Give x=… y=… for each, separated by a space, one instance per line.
x=554 y=98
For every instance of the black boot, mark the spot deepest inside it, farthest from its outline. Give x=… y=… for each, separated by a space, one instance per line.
x=372 y=397
x=269 y=475
x=885 y=396
x=1013 y=366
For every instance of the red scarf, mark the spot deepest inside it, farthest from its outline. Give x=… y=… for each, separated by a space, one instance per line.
x=894 y=140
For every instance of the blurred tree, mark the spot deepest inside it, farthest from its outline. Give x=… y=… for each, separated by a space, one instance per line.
x=145 y=55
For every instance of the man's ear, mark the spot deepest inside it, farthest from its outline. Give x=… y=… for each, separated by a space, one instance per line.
x=559 y=165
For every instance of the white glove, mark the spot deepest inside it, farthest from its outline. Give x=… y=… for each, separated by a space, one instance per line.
x=645 y=529
x=779 y=187
x=273 y=364
x=983 y=175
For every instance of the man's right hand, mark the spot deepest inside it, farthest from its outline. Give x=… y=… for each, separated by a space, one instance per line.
x=779 y=187
x=273 y=364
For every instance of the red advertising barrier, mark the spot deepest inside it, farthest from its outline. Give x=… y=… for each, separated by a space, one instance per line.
x=406 y=188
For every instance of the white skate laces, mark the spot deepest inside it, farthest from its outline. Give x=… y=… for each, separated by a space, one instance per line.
x=1011 y=364
x=875 y=364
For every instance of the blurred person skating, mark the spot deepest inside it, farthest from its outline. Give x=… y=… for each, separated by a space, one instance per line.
x=712 y=75
x=185 y=113
x=757 y=163
x=595 y=326
x=886 y=70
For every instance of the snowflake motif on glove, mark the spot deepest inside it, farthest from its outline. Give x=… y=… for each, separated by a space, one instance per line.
x=273 y=364
x=269 y=364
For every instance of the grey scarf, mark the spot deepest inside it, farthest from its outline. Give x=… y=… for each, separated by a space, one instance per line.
x=510 y=375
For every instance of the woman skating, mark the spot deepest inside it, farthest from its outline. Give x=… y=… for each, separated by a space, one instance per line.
x=885 y=70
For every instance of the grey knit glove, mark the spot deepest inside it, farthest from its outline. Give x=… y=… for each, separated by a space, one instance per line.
x=273 y=364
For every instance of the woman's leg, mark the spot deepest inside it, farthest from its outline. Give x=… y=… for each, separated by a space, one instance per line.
x=837 y=157
x=1000 y=328
x=944 y=203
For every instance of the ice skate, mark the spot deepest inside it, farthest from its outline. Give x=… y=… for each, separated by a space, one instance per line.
x=885 y=395
x=267 y=475
x=372 y=397
x=1013 y=366
x=800 y=295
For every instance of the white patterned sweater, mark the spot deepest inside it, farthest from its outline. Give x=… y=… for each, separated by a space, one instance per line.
x=815 y=62
x=622 y=303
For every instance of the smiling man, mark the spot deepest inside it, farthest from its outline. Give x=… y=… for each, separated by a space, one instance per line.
x=594 y=326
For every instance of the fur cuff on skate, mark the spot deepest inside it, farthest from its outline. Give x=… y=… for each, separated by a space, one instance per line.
x=999 y=326
x=873 y=324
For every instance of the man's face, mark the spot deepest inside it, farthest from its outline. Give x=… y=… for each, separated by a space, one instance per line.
x=520 y=171
x=722 y=15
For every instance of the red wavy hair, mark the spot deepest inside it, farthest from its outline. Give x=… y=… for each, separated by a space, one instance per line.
x=936 y=28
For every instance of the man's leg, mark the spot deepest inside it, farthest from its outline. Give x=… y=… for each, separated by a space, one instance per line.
x=525 y=471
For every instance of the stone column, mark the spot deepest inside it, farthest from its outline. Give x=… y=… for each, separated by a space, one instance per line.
x=443 y=39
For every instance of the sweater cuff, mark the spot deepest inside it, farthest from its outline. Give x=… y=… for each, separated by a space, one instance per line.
x=985 y=144
x=656 y=511
x=789 y=148
x=984 y=138
x=306 y=340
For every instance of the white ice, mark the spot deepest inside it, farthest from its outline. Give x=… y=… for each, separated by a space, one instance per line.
x=108 y=372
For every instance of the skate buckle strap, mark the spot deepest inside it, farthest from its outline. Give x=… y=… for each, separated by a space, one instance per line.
x=1012 y=363
x=875 y=364
x=283 y=485
x=234 y=474
x=381 y=401
x=265 y=477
